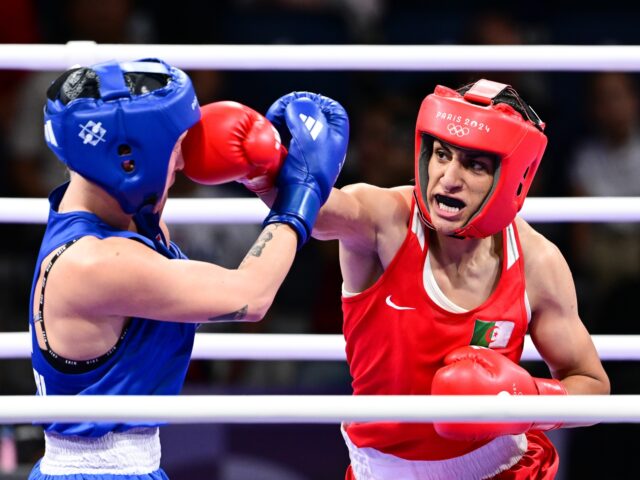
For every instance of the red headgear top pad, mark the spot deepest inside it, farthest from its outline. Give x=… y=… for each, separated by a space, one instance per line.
x=475 y=122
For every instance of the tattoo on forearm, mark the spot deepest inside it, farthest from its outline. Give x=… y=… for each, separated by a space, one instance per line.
x=236 y=316
x=258 y=247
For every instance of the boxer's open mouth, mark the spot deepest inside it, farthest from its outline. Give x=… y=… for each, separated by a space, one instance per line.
x=449 y=204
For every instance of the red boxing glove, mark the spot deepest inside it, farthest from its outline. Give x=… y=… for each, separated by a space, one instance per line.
x=233 y=142
x=482 y=371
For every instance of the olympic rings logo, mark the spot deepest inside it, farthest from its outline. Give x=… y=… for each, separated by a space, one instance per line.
x=457 y=130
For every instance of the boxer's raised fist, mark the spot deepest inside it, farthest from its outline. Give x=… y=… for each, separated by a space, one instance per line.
x=233 y=142
x=319 y=131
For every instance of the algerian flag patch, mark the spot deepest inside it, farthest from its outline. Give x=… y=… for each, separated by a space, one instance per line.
x=492 y=334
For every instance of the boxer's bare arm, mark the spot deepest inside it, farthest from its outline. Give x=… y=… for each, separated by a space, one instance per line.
x=370 y=223
x=556 y=328
x=122 y=277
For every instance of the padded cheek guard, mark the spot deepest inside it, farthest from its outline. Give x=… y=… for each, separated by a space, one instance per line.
x=122 y=141
x=475 y=122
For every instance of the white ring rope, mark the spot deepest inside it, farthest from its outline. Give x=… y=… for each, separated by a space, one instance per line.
x=271 y=346
x=319 y=408
x=177 y=210
x=252 y=210
x=331 y=57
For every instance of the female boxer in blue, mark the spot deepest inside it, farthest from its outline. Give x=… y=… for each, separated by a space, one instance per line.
x=114 y=303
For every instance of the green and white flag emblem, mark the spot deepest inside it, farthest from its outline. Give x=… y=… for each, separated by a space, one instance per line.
x=490 y=334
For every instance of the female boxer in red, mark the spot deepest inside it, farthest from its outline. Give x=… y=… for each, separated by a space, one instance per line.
x=441 y=281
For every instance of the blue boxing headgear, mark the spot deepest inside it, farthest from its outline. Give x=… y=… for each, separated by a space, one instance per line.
x=121 y=135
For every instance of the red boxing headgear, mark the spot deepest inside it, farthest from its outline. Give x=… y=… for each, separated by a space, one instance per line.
x=474 y=121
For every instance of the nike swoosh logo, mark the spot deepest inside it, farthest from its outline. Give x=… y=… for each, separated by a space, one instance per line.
x=397 y=307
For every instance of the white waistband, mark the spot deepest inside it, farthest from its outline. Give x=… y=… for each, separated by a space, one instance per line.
x=134 y=452
x=487 y=461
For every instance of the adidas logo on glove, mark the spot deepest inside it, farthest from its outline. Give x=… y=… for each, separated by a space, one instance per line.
x=313 y=125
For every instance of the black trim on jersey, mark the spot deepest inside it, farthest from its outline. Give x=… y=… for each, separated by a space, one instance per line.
x=64 y=365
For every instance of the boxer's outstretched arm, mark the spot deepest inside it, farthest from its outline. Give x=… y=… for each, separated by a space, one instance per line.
x=118 y=277
x=369 y=222
x=358 y=213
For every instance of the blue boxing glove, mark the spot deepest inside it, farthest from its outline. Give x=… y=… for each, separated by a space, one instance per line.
x=319 y=130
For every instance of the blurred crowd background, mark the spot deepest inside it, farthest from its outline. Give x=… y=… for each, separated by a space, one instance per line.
x=594 y=150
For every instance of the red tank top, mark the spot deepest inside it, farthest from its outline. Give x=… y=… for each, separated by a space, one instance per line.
x=397 y=335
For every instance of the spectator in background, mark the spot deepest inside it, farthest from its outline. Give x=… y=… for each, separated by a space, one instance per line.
x=607 y=163
x=493 y=27
x=383 y=143
x=497 y=27
x=18 y=24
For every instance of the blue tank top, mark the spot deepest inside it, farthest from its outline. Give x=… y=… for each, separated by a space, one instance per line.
x=151 y=358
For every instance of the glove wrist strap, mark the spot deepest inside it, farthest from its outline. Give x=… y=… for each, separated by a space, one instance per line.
x=549 y=386
x=298 y=206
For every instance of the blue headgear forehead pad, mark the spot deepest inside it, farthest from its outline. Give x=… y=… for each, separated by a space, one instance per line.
x=116 y=124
